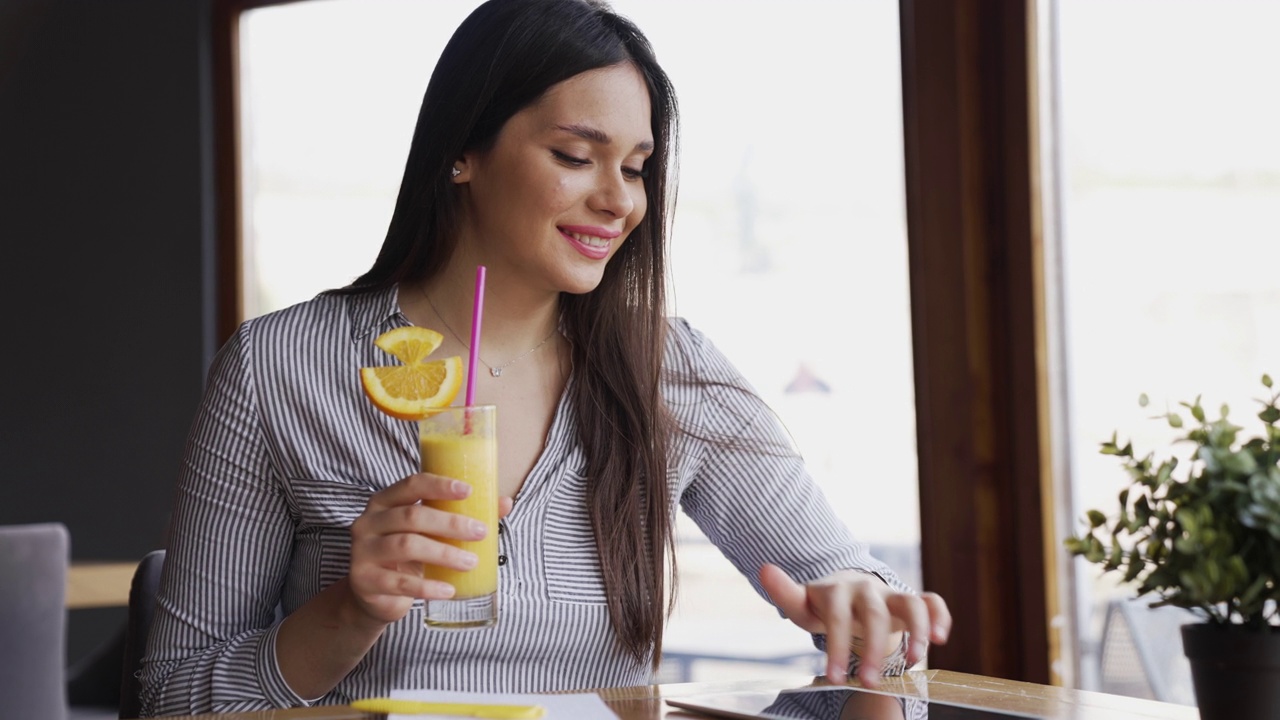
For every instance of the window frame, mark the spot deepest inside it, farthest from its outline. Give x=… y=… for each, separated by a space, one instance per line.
x=976 y=253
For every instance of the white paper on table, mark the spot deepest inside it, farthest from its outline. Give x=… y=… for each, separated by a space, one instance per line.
x=577 y=706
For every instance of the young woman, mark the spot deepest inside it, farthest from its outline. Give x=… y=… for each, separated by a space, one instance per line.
x=293 y=573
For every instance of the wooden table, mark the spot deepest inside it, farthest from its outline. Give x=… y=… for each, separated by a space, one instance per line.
x=99 y=584
x=646 y=702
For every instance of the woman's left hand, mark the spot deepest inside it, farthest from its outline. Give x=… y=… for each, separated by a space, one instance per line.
x=858 y=611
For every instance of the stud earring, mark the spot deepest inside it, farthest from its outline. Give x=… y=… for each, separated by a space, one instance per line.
x=454 y=172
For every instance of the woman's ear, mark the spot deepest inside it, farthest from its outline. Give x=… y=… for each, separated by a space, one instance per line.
x=460 y=171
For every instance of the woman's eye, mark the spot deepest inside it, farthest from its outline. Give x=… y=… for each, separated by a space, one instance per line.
x=575 y=161
x=568 y=159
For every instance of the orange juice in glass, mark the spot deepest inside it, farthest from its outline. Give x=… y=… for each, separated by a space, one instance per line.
x=462 y=443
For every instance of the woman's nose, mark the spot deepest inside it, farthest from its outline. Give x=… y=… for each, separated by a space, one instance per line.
x=612 y=196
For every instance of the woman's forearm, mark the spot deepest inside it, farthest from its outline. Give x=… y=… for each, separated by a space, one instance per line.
x=322 y=641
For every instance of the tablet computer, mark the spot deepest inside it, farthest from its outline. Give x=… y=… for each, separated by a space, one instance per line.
x=832 y=703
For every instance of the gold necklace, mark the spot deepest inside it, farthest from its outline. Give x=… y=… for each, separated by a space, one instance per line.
x=495 y=371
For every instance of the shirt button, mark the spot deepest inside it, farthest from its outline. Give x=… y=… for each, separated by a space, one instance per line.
x=502 y=559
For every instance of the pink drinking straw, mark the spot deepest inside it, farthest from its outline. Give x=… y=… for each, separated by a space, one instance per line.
x=477 y=313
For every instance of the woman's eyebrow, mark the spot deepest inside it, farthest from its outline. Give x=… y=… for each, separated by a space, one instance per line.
x=598 y=136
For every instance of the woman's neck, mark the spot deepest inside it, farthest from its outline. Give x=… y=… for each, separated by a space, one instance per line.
x=516 y=317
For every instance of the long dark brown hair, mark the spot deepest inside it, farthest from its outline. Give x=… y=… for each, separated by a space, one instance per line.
x=502 y=58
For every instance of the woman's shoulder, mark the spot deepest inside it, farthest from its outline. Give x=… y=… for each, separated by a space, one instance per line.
x=691 y=354
x=329 y=316
x=695 y=370
x=684 y=344
x=308 y=342
x=315 y=333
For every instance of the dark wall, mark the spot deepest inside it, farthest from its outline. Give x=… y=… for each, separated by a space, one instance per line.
x=106 y=225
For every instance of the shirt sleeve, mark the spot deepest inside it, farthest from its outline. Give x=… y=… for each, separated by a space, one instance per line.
x=211 y=646
x=751 y=494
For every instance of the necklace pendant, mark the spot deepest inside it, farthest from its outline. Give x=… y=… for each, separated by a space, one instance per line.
x=496 y=372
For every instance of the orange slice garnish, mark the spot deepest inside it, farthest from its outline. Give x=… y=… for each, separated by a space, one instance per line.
x=412 y=390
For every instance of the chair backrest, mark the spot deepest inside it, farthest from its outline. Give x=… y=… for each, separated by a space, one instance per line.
x=1141 y=653
x=33 y=616
x=142 y=606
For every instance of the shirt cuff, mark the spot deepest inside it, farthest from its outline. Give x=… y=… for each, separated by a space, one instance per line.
x=892 y=665
x=274 y=688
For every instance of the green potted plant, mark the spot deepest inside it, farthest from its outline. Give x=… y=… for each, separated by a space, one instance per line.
x=1206 y=539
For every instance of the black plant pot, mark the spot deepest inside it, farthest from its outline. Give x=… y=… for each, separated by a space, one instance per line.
x=1236 y=672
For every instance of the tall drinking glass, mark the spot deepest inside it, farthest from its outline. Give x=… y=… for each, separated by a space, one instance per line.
x=462 y=443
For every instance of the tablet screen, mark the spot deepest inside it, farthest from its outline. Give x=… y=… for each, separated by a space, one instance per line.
x=831 y=704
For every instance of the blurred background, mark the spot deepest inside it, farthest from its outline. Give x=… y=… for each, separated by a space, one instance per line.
x=1159 y=178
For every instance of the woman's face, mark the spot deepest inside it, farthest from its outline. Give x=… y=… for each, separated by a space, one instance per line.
x=562 y=187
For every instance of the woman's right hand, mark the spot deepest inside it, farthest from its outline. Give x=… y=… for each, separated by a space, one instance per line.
x=398 y=533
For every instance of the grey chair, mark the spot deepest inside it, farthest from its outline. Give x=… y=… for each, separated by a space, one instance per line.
x=142 y=607
x=1141 y=654
x=33 y=615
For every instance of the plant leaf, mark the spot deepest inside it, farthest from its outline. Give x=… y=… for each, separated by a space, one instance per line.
x=1251 y=593
x=1094 y=553
x=1240 y=463
x=1136 y=565
x=1114 y=558
x=1186 y=517
x=1142 y=510
x=1209 y=539
x=1197 y=412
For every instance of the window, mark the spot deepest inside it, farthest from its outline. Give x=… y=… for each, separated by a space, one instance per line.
x=789 y=245
x=1170 y=177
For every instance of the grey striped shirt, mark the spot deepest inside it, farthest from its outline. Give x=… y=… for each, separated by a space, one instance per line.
x=286 y=451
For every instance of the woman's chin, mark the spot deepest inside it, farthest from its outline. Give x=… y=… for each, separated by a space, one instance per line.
x=582 y=283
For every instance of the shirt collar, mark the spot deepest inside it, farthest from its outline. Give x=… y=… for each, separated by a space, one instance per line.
x=374 y=312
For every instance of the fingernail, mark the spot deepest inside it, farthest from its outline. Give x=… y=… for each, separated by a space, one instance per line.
x=461 y=488
x=836 y=673
x=448 y=591
x=918 y=649
x=479 y=529
x=469 y=560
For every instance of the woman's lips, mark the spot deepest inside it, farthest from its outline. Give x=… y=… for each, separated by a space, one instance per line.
x=590 y=242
